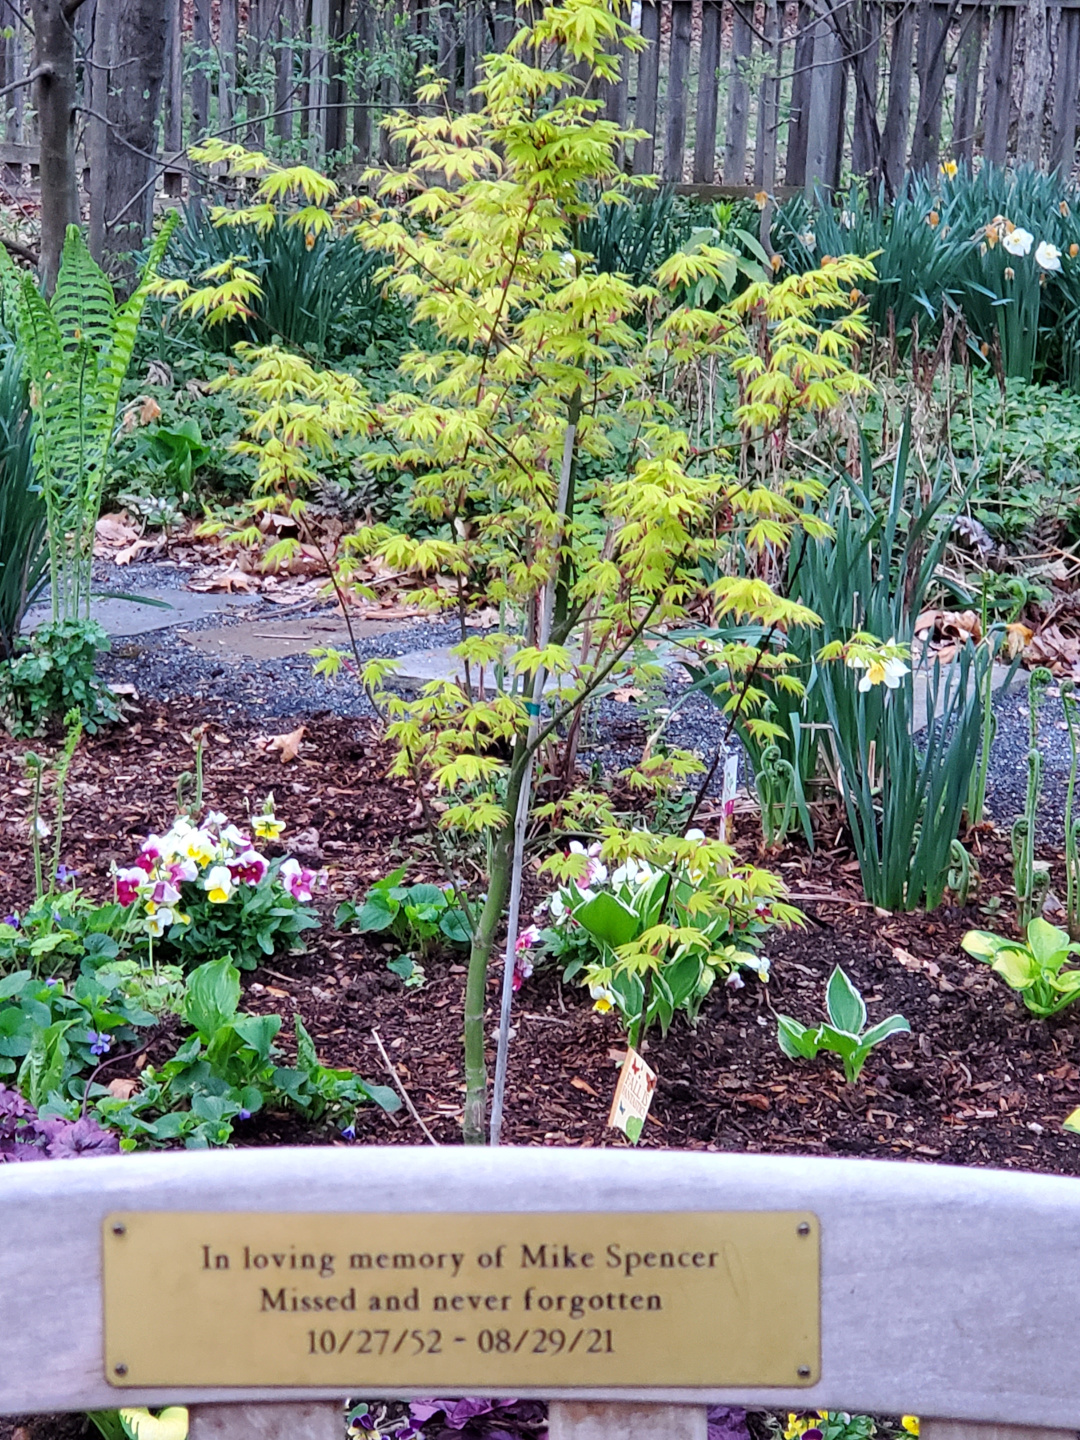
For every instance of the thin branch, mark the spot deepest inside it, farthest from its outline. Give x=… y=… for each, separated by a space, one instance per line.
x=39 y=72
x=401 y=1088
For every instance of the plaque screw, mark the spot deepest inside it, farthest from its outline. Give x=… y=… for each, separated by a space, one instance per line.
x=122 y=1370
x=804 y=1371
x=803 y=1228
x=119 y=1229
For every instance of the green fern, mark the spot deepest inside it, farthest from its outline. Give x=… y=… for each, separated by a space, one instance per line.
x=77 y=347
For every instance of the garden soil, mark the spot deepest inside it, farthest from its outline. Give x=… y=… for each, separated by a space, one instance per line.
x=978 y=1081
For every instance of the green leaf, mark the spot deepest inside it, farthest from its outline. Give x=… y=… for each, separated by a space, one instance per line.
x=455 y=927
x=795 y=1040
x=1072 y=1121
x=258 y=1032
x=1048 y=944
x=382 y=1096
x=844 y=1003
x=213 y=994
x=608 y=919
x=307 y=1058
x=894 y=1025
x=1017 y=968
x=427 y=895
x=634 y=1126
x=982 y=944
x=377 y=913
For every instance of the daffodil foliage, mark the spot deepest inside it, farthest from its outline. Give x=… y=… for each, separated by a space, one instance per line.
x=550 y=477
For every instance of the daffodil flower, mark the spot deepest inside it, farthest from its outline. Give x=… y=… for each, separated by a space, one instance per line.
x=218 y=884
x=1018 y=242
x=1047 y=255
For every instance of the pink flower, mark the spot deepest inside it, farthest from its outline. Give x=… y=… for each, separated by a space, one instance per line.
x=148 y=857
x=183 y=870
x=523 y=967
x=297 y=880
x=528 y=937
x=128 y=883
x=250 y=867
x=164 y=893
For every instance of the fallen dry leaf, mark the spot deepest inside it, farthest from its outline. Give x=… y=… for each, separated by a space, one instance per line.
x=273 y=990
x=130 y=552
x=115 y=530
x=289 y=745
x=1017 y=637
x=122 y=1089
x=579 y=1084
x=228 y=580
x=149 y=411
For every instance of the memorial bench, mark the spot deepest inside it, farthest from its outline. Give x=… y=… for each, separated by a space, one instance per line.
x=628 y=1289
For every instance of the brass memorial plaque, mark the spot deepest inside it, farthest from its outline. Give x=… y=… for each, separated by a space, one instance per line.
x=452 y=1302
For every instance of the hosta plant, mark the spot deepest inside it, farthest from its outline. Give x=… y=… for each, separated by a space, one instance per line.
x=205 y=891
x=1034 y=966
x=653 y=936
x=844 y=1033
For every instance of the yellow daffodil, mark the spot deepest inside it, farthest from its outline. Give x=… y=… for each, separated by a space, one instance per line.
x=949 y=168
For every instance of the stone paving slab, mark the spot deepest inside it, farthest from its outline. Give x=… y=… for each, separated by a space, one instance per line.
x=121 y=618
x=276 y=639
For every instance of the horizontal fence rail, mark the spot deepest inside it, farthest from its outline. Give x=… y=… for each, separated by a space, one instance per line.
x=945 y=1292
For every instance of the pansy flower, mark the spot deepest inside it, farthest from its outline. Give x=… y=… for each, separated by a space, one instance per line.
x=218 y=884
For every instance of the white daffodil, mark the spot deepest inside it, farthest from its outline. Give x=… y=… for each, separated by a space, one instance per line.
x=1047 y=255
x=1018 y=242
x=809 y=240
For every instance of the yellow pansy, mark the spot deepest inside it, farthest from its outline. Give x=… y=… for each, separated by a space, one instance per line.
x=170 y=1424
x=910 y=1423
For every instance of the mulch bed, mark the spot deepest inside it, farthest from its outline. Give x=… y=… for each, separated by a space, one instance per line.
x=978 y=1082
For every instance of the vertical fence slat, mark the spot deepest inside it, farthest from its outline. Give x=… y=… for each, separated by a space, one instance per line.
x=930 y=64
x=284 y=85
x=795 y=167
x=824 y=129
x=865 y=135
x=768 y=97
x=895 y=136
x=1029 y=129
x=708 y=93
x=966 y=104
x=738 y=116
x=200 y=59
x=1066 y=91
x=678 y=76
x=447 y=55
x=648 y=79
x=996 y=89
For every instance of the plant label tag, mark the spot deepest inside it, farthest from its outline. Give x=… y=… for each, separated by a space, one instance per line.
x=633 y=1096
x=727 y=793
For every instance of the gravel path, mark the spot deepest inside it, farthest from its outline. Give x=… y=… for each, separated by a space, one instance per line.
x=161 y=665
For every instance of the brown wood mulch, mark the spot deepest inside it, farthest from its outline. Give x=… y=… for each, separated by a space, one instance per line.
x=978 y=1082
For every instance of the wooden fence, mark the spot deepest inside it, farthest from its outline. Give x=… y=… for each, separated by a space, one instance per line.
x=939 y=1291
x=761 y=94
